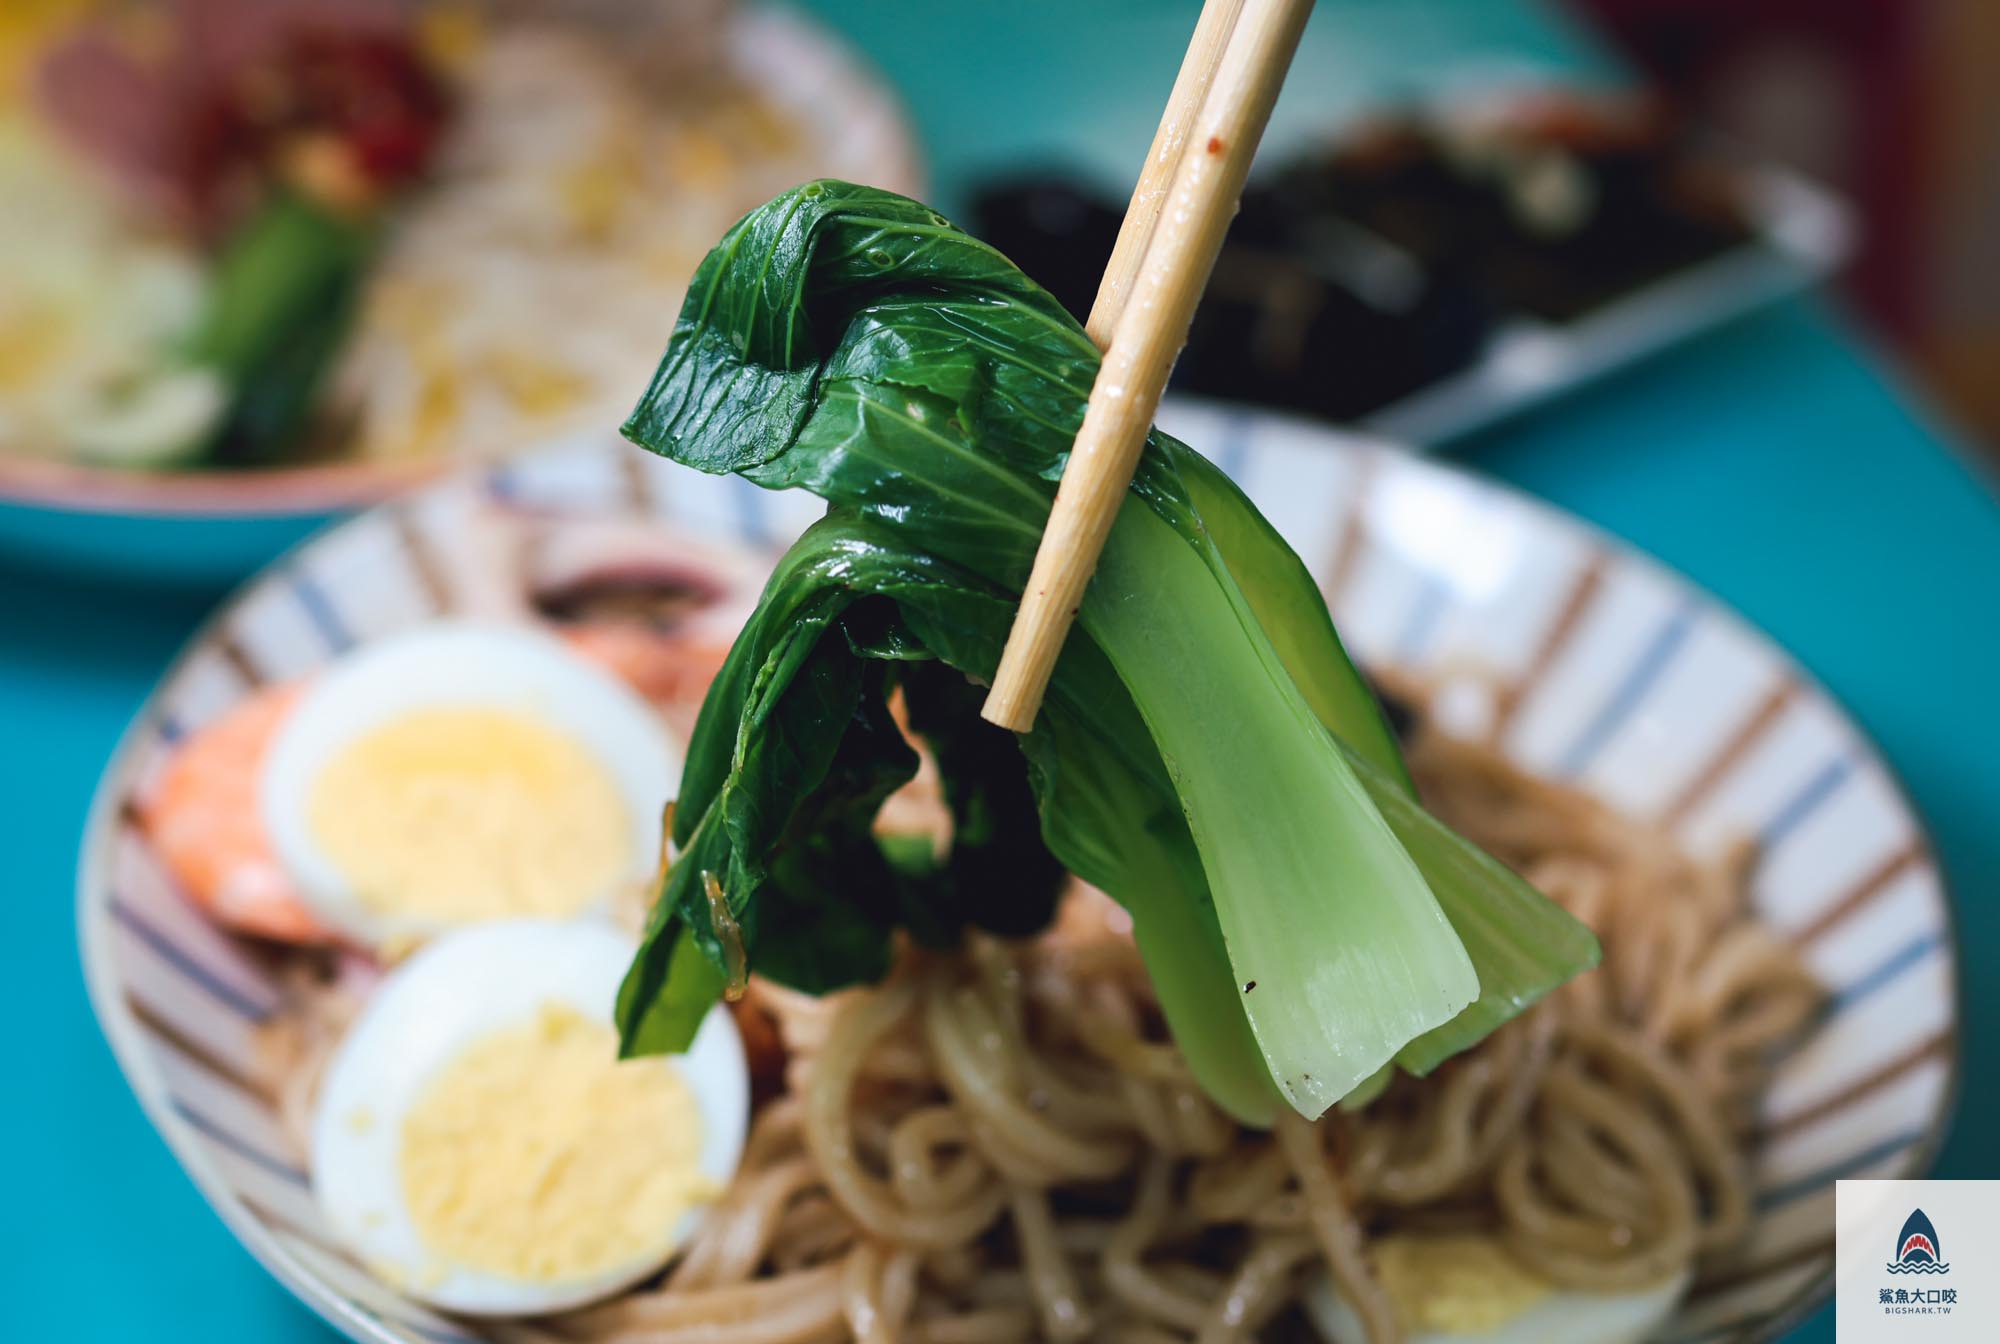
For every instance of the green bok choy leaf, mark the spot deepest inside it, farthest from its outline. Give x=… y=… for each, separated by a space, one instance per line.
x=1206 y=753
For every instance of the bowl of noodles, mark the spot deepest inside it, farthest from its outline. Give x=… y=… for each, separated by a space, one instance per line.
x=268 y=263
x=1001 y=1140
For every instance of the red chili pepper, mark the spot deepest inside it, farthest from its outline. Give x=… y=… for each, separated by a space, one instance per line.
x=370 y=92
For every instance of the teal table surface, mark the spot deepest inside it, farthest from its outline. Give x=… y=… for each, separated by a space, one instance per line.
x=1776 y=462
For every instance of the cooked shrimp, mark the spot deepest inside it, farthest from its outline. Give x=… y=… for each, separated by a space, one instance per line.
x=205 y=823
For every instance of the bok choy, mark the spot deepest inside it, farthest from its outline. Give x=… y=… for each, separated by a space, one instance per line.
x=1206 y=752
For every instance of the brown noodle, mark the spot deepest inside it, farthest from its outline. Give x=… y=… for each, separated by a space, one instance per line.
x=1001 y=1145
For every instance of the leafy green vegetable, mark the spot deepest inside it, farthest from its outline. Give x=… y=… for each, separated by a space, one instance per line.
x=284 y=292
x=1108 y=811
x=1523 y=944
x=1206 y=753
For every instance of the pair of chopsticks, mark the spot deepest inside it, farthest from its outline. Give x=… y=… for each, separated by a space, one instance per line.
x=1185 y=198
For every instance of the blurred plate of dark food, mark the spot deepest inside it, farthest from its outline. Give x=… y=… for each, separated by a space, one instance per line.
x=1436 y=269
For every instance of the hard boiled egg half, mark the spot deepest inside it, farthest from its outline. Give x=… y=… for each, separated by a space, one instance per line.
x=464 y=772
x=478 y=1143
x=1464 y=1288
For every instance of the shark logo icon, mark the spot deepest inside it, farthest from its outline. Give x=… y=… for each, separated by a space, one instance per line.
x=1918 y=1250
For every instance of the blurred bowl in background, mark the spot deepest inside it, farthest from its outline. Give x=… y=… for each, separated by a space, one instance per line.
x=178 y=529
x=523 y=290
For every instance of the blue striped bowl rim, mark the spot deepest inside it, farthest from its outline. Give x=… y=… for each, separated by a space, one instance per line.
x=1427 y=567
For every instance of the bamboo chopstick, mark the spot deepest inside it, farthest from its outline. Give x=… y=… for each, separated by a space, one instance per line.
x=1147 y=334
x=1163 y=159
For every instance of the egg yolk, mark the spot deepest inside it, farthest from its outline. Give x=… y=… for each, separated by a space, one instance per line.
x=537 y=1155
x=1462 y=1284
x=461 y=814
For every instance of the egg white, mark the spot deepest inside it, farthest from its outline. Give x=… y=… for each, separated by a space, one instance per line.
x=1563 y=1317
x=457 y=665
x=456 y=991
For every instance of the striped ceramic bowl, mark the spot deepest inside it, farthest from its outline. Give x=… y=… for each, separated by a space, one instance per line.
x=1613 y=674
